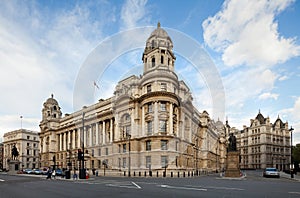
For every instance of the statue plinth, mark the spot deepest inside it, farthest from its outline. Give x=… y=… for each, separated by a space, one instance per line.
x=233 y=164
x=14 y=166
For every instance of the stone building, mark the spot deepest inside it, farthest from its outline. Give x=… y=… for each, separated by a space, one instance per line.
x=149 y=123
x=264 y=144
x=27 y=144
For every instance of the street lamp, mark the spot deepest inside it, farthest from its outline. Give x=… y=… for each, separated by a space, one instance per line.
x=128 y=135
x=291 y=169
x=82 y=170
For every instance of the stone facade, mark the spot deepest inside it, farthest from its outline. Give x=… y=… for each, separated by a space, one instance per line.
x=153 y=113
x=264 y=144
x=27 y=144
x=1 y=156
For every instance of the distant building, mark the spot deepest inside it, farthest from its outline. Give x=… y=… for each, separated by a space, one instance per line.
x=264 y=144
x=153 y=113
x=27 y=144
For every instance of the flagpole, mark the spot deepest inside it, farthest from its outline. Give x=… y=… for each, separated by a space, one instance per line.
x=21 y=117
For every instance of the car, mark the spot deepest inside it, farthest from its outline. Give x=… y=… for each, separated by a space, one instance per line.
x=59 y=172
x=37 y=171
x=271 y=172
x=28 y=171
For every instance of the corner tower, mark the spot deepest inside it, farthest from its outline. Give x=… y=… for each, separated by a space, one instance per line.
x=158 y=51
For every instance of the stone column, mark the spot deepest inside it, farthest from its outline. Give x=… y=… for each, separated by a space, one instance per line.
x=69 y=140
x=156 y=121
x=171 y=119
x=103 y=132
x=91 y=135
x=84 y=135
x=143 y=120
x=111 y=130
x=97 y=133
x=60 y=142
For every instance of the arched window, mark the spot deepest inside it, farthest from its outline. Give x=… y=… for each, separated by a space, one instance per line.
x=162 y=59
x=153 y=62
x=152 y=44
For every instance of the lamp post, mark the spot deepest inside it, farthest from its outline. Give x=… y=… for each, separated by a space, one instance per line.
x=128 y=135
x=82 y=171
x=291 y=169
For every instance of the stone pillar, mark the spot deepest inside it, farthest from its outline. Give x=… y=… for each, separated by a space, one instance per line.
x=91 y=135
x=111 y=130
x=69 y=140
x=60 y=142
x=143 y=121
x=171 y=119
x=156 y=121
x=97 y=133
x=103 y=132
x=84 y=135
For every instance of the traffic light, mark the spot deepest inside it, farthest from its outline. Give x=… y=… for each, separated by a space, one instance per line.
x=79 y=154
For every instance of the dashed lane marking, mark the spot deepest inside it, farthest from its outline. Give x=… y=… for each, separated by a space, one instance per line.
x=183 y=188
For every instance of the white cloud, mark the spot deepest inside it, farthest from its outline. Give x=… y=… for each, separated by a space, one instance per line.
x=246 y=33
x=268 y=95
x=282 y=78
x=133 y=12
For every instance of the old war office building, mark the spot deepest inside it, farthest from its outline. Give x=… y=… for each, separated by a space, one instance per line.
x=149 y=123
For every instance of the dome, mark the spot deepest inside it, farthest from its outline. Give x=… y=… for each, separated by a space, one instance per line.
x=159 y=38
x=159 y=32
x=51 y=101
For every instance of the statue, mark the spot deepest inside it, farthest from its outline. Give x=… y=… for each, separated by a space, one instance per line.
x=14 y=152
x=232 y=143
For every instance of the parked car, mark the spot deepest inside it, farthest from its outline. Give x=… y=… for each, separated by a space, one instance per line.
x=37 y=171
x=271 y=172
x=28 y=171
x=59 y=172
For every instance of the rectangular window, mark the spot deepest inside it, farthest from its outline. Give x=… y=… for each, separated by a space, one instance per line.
x=34 y=152
x=164 y=161
x=28 y=144
x=149 y=127
x=124 y=148
x=148 y=162
x=148 y=145
x=120 y=163
x=106 y=151
x=99 y=163
x=124 y=162
x=127 y=130
x=150 y=109
x=148 y=88
x=28 y=137
x=28 y=152
x=93 y=152
x=119 y=148
x=99 y=152
x=163 y=106
x=164 y=144
x=176 y=146
x=163 y=86
x=163 y=126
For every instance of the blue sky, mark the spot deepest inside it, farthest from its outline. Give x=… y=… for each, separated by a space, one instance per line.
x=254 y=45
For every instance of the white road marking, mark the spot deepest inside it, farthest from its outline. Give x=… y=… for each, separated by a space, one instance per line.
x=298 y=193
x=1 y=180
x=114 y=185
x=216 y=187
x=136 y=185
x=182 y=188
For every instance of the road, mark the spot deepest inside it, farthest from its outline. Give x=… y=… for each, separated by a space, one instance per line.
x=205 y=186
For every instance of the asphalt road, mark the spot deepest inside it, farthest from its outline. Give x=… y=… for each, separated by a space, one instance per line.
x=254 y=185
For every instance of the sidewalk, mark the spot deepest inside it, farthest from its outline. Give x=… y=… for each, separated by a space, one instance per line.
x=288 y=176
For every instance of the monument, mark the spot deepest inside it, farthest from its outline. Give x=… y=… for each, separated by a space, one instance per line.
x=14 y=163
x=233 y=156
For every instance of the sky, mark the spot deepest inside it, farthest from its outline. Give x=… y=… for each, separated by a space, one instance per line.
x=254 y=46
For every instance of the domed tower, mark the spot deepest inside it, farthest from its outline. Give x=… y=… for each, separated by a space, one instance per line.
x=51 y=115
x=51 y=110
x=158 y=51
